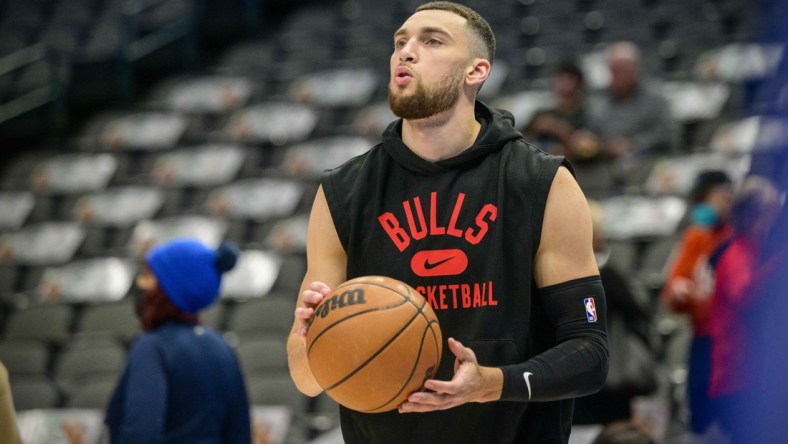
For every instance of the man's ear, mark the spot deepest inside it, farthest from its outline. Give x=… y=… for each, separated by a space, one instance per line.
x=478 y=72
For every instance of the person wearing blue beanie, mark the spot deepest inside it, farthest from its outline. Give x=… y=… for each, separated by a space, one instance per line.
x=189 y=272
x=182 y=382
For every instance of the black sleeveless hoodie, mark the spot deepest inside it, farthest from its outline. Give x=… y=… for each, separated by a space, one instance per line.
x=463 y=232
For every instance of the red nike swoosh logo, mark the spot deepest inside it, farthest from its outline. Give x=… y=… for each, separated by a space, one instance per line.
x=439 y=262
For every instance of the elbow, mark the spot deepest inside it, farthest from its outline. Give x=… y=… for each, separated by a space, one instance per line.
x=309 y=388
x=301 y=374
x=594 y=380
x=304 y=381
x=309 y=391
x=595 y=367
x=598 y=374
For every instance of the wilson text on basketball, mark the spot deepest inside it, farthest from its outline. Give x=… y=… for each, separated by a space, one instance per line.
x=342 y=300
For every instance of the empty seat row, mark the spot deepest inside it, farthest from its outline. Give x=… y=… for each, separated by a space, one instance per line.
x=84 y=375
x=44 y=375
x=58 y=323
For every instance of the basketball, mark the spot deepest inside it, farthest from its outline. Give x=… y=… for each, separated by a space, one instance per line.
x=372 y=342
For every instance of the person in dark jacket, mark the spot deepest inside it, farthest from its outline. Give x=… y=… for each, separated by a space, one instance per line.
x=182 y=382
x=565 y=128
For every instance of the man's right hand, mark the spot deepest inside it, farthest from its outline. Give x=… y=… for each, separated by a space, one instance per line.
x=310 y=299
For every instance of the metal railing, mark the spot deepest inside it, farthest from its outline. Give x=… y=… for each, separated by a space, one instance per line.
x=135 y=46
x=52 y=92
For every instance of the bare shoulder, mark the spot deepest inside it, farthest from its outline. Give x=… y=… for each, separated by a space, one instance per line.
x=565 y=250
x=565 y=197
x=320 y=220
x=326 y=258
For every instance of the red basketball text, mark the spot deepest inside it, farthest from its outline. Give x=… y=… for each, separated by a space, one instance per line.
x=459 y=296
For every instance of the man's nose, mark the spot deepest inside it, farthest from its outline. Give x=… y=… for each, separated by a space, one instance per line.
x=408 y=53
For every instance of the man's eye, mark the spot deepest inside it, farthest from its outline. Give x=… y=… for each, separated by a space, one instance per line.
x=399 y=43
x=432 y=42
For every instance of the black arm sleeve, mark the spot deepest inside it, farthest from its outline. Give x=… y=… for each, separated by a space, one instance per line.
x=577 y=364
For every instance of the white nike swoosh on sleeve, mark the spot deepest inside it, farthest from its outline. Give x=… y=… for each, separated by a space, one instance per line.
x=527 y=375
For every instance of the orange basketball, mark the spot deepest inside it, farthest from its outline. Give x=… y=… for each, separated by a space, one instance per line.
x=372 y=342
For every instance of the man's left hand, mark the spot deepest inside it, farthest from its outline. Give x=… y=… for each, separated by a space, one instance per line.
x=471 y=383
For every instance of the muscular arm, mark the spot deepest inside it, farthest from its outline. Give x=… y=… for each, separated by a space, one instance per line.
x=566 y=273
x=565 y=251
x=326 y=263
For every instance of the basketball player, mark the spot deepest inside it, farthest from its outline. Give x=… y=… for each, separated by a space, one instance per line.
x=493 y=232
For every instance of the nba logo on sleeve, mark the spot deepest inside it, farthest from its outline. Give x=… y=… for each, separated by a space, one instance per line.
x=590 y=309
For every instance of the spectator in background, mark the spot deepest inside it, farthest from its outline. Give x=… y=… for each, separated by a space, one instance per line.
x=564 y=128
x=631 y=371
x=738 y=274
x=687 y=288
x=182 y=382
x=9 y=433
x=633 y=119
x=764 y=406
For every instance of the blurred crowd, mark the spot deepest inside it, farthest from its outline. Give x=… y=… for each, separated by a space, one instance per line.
x=726 y=276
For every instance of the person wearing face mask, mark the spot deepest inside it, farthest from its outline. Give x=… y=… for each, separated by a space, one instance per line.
x=182 y=382
x=687 y=288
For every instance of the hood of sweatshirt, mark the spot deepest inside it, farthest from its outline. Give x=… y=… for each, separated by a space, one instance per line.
x=497 y=129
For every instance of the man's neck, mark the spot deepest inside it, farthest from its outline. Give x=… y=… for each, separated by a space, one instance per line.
x=443 y=135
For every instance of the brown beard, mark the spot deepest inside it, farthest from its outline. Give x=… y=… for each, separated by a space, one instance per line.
x=428 y=101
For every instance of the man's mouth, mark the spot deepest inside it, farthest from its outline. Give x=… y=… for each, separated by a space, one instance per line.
x=402 y=75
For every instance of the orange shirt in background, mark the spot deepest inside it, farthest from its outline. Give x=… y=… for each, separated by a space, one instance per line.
x=685 y=290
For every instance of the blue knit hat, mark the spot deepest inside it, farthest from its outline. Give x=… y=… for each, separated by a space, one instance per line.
x=189 y=272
